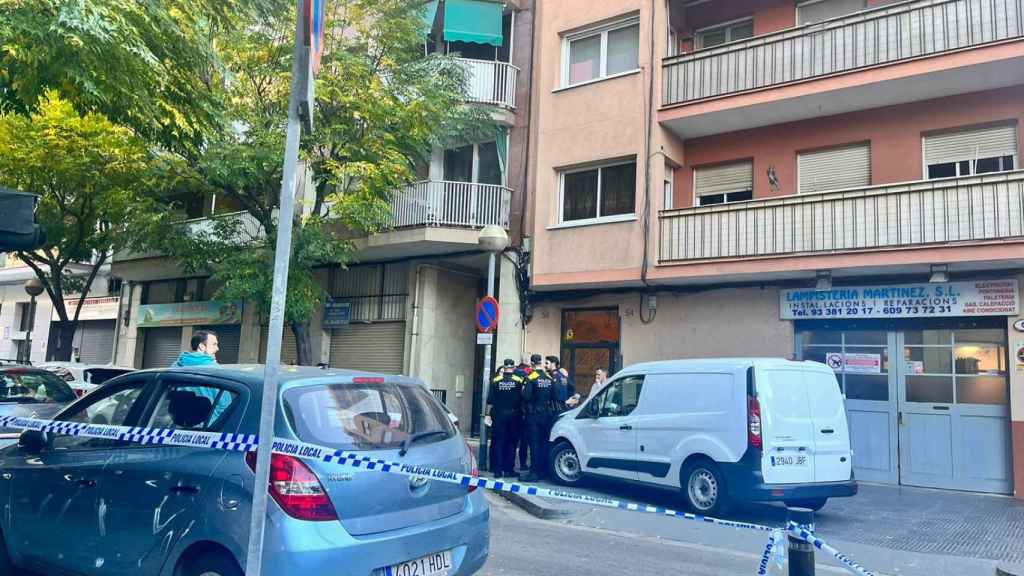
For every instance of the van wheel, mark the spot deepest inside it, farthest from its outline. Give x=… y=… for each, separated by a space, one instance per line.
x=811 y=503
x=565 y=464
x=704 y=488
x=213 y=564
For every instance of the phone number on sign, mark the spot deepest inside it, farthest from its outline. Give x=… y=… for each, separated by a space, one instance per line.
x=871 y=311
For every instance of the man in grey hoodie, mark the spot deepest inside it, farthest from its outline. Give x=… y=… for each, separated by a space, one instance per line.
x=204 y=350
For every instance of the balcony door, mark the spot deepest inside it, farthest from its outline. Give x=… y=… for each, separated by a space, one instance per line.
x=470 y=172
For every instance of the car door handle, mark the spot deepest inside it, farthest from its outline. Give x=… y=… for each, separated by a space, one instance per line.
x=940 y=407
x=625 y=427
x=184 y=489
x=828 y=431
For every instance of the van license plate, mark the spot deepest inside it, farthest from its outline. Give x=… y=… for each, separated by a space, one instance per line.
x=437 y=564
x=794 y=461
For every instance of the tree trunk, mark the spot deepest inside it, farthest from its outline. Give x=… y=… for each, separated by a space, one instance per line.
x=303 y=343
x=63 y=342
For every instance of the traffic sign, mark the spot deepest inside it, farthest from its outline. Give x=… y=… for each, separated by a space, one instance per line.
x=487 y=311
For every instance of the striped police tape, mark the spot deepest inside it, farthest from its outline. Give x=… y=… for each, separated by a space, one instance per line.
x=248 y=443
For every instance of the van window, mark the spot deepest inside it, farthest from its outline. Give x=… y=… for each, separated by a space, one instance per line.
x=788 y=393
x=689 y=393
x=618 y=398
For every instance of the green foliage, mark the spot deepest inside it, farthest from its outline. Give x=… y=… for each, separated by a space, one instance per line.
x=148 y=65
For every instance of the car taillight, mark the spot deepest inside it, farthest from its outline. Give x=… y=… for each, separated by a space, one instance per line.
x=296 y=489
x=754 y=422
x=473 y=470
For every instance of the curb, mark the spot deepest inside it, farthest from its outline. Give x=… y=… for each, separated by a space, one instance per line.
x=537 y=508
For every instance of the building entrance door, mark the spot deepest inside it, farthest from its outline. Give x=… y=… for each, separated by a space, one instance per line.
x=938 y=417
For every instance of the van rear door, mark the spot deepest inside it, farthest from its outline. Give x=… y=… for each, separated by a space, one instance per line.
x=787 y=426
x=832 y=461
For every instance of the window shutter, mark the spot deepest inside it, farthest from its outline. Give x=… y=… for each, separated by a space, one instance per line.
x=737 y=177
x=993 y=141
x=811 y=12
x=835 y=168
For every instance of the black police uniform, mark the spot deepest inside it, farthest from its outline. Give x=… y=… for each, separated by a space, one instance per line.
x=541 y=407
x=506 y=402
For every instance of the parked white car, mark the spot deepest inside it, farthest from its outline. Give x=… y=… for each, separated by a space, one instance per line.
x=84 y=378
x=718 y=430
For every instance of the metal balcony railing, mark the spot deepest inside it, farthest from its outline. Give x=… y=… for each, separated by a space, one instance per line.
x=454 y=204
x=491 y=83
x=870 y=38
x=950 y=210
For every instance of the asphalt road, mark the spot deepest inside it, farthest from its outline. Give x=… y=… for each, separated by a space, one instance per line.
x=524 y=545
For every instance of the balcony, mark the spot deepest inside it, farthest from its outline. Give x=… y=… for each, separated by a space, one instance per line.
x=915 y=214
x=451 y=204
x=491 y=83
x=248 y=230
x=866 y=60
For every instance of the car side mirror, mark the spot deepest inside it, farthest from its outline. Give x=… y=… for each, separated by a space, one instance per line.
x=32 y=441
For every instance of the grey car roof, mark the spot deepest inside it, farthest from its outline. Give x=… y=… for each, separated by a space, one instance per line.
x=252 y=374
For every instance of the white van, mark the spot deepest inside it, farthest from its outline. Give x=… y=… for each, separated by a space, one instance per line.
x=718 y=430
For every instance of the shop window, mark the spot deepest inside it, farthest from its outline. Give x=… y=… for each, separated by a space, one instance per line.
x=602 y=52
x=596 y=193
x=725 y=33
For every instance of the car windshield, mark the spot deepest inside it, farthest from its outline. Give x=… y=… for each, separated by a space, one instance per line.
x=35 y=387
x=365 y=417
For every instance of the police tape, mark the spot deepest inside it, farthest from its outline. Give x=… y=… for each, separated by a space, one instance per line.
x=233 y=442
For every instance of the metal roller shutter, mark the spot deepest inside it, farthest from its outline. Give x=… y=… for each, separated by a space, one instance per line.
x=993 y=141
x=835 y=168
x=230 y=340
x=376 y=347
x=821 y=10
x=95 y=341
x=737 y=177
x=162 y=346
x=289 y=350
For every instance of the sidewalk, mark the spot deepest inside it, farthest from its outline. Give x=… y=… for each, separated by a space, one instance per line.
x=889 y=529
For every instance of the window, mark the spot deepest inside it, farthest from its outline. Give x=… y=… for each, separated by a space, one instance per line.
x=33 y=387
x=820 y=10
x=193 y=408
x=724 y=183
x=724 y=33
x=114 y=286
x=670 y=175
x=26 y=321
x=105 y=406
x=366 y=417
x=477 y=163
x=602 y=52
x=834 y=168
x=972 y=151
x=618 y=399
x=599 y=192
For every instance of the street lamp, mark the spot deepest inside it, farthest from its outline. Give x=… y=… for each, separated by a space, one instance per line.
x=34 y=288
x=493 y=240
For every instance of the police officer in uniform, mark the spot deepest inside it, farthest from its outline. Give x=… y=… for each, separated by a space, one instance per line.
x=540 y=407
x=504 y=405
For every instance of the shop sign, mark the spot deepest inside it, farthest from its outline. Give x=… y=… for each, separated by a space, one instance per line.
x=854 y=363
x=337 y=313
x=190 y=313
x=94 y=308
x=974 y=298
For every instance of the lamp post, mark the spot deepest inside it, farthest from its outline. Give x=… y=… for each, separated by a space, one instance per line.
x=34 y=288
x=493 y=240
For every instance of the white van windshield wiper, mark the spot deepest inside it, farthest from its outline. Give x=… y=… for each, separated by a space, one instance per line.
x=415 y=437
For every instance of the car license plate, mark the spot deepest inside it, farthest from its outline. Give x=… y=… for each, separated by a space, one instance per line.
x=787 y=461
x=437 y=564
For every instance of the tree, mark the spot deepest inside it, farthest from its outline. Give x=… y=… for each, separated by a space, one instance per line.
x=92 y=178
x=380 y=107
x=150 y=66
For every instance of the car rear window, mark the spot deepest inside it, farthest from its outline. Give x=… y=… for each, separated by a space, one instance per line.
x=101 y=375
x=35 y=387
x=365 y=416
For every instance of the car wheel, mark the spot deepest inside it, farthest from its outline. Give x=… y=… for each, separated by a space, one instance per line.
x=810 y=503
x=704 y=488
x=565 y=464
x=213 y=564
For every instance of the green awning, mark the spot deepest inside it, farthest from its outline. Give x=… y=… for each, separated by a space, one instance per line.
x=429 y=15
x=473 y=21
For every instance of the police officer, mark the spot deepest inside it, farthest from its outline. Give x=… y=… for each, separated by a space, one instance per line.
x=504 y=405
x=540 y=408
